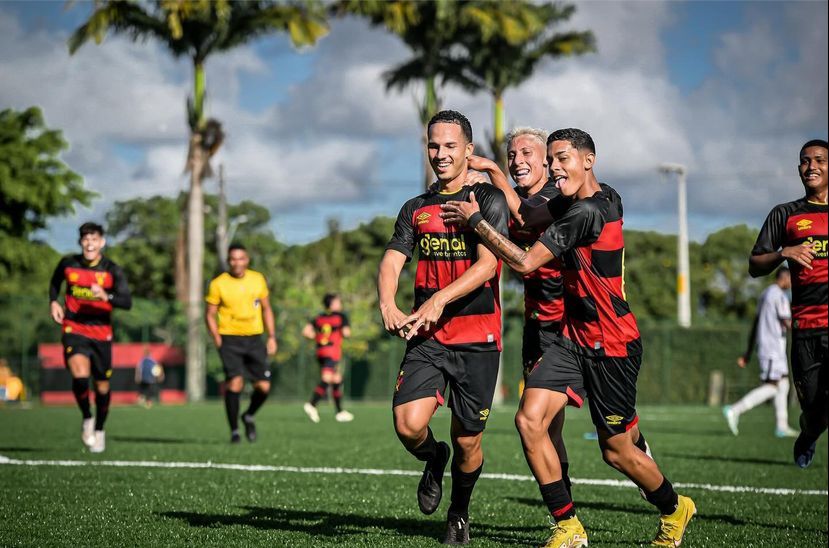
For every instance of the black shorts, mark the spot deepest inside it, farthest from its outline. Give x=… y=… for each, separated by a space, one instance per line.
x=428 y=366
x=245 y=355
x=809 y=356
x=537 y=337
x=608 y=383
x=328 y=363
x=98 y=352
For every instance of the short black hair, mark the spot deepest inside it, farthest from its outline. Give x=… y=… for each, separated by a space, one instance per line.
x=236 y=245
x=329 y=298
x=580 y=140
x=452 y=117
x=815 y=143
x=781 y=272
x=90 y=228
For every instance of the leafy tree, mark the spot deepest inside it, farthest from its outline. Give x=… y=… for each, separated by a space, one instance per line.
x=197 y=29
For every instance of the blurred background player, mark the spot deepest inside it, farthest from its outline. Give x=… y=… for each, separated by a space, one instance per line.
x=94 y=286
x=239 y=299
x=149 y=374
x=328 y=330
x=773 y=319
x=11 y=387
x=797 y=232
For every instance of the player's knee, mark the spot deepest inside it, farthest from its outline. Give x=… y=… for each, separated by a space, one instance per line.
x=407 y=430
x=528 y=425
x=466 y=446
x=102 y=387
x=235 y=384
x=263 y=386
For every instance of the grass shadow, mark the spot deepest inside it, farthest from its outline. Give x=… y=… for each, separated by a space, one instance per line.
x=726 y=458
x=154 y=439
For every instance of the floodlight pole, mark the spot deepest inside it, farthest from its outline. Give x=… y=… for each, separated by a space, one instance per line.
x=683 y=278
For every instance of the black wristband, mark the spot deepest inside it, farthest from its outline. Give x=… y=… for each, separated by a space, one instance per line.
x=474 y=219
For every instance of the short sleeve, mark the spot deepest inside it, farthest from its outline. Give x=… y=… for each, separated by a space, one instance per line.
x=773 y=234
x=494 y=207
x=403 y=238
x=263 y=291
x=581 y=224
x=345 y=320
x=214 y=295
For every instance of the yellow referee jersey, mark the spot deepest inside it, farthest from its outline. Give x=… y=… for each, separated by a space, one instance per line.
x=239 y=301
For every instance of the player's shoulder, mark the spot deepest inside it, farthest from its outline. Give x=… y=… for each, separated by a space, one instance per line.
x=72 y=259
x=788 y=208
x=108 y=264
x=549 y=190
x=255 y=275
x=486 y=191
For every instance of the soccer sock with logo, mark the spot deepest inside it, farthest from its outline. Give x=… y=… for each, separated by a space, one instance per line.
x=565 y=476
x=664 y=498
x=256 y=400
x=101 y=408
x=80 y=388
x=427 y=450
x=462 y=485
x=337 y=395
x=319 y=392
x=232 y=409
x=558 y=501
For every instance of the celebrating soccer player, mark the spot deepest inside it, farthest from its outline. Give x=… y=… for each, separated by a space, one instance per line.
x=240 y=300
x=797 y=232
x=328 y=330
x=598 y=352
x=94 y=286
x=454 y=335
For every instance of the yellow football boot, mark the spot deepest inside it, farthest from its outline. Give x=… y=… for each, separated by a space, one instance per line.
x=567 y=533
x=672 y=527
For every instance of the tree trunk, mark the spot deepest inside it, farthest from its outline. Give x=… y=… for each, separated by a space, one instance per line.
x=195 y=260
x=181 y=260
x=431 y=105
x=498 y=131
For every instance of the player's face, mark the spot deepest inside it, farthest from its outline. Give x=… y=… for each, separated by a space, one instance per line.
x=526 y=162
x=91 y=246
x=812 y=168
x=568 y=166
x=448 y=150
x=336 y=305
x=786 y=280
x=238 y=262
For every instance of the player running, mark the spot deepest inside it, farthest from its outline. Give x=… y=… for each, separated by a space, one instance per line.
x=454 y=335
x=598 y=352
x=240 y=300
x=94 y=286
x=328 y=331
x=797 y=232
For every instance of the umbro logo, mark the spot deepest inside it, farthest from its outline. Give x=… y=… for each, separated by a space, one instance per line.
x=614 y=420
x=484 y=414
x=423 y=218
x=804 y=224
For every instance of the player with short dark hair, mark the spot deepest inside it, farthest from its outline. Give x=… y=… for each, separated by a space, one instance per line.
x=598 y=352
x=328 y=329
x=239 y=299
x=454 y=335
x=797 y=233
x=94 y=286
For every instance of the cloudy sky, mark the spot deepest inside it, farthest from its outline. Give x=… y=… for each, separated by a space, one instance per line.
x=731 y=90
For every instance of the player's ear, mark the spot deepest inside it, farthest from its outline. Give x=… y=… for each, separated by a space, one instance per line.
x=103 y=242
x=589 y=160
x=470 y=148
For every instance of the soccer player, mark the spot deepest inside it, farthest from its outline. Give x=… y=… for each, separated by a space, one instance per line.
x=454 y=335
x=94 y=286
x=328 y=330
x=773 y=319
x=598 y=352
x=239 y=298
x=797 y=232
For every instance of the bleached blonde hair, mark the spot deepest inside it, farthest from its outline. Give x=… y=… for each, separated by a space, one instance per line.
x=539 y=134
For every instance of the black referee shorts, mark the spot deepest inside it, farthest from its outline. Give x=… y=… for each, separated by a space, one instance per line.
x=245 y=356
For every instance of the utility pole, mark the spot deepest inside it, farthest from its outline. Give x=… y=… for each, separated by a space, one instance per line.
x=683 y=277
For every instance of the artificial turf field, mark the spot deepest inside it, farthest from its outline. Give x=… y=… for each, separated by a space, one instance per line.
x=50 y=499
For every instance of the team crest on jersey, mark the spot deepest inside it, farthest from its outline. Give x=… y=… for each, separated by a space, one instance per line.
x=100 y=277
x=614 y=420
x=74 y=276
x=804 y=224
x=423 y=218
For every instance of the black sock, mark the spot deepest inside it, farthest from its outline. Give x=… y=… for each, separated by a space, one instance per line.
x=664 y=498
x=256 y=400
x=565 y=476
x=232 y=409
x=558 y=501
x=640 y=443
x=337 y=395
x=427 y=450
x=319 y=393
x=101 y=408
x=462 y=485
x=80 y=388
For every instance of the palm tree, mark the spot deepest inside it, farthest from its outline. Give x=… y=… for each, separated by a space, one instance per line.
x=504 y=43
x=196 y=29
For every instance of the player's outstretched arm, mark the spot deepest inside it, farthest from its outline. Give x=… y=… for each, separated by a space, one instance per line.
x=308 y=332
x=388 y=276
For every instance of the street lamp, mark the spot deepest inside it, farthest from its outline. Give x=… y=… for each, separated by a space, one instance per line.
x=683 y=277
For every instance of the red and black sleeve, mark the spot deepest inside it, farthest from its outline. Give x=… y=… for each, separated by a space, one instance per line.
x=772 y=236
x=581 y=224
x=403 y=238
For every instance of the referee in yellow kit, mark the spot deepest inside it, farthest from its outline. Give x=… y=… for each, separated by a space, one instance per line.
x=240 y=300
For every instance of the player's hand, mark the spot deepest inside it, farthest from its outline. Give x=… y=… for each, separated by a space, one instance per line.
x=741 y=361
x=425 y=317
x=458 y=213
x=474 y=178
x=56 y=311
x=391 y=317
x=803 y=254
x=217 y=340
x=479 y=163
x=98 y=292
x=271 y=346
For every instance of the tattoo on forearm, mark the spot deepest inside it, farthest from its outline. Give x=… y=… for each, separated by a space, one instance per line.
x=500 y=244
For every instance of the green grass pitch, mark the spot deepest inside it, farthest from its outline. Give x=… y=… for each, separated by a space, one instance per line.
x=128 y=505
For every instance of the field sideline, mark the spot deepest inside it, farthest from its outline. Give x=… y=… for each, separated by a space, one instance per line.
x=169 y=477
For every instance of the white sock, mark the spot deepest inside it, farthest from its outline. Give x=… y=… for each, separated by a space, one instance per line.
x=781 y=404
x=754 y=398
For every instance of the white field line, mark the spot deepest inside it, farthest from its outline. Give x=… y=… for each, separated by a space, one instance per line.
x=380 y=472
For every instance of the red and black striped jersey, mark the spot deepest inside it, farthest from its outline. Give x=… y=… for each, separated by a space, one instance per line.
x=795 y=223
x=328 y=327
x=85 y=315
x=444 y=253
x=543 y=288
x=588 y=239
